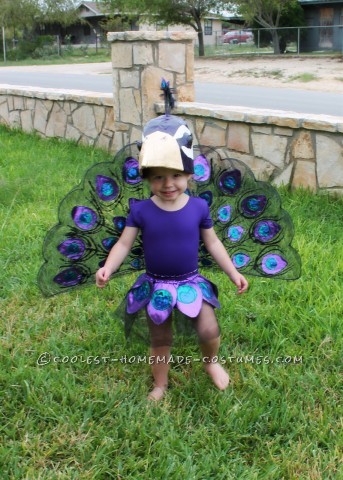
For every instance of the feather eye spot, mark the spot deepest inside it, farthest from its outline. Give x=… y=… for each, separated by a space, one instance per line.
x=69 y=277
x=137 y=264
x=266 y=230
x=108 y=242
x=205 y=262
x=119 y=223
x=253 y=205
x=72 y=248
x=230 y=182
x=224 y=213
x=202 y=170
x=208 y=196
x=240 y=260
x=273 y=264
x=106 y=188
x=235 y=233
x=131 y=171
x=84 y=218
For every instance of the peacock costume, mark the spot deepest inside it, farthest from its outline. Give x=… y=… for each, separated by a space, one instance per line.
x=245 y=213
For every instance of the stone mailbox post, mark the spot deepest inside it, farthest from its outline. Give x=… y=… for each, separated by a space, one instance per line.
x=140 y=60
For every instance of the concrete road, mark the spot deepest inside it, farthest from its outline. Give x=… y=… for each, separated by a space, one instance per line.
x=97 y=78
x=300 y=101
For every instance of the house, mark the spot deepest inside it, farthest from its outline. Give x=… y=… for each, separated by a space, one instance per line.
x=89 y=29
x=211 y=25
x=326 y=18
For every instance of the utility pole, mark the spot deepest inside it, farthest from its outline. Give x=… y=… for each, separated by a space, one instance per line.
x=4 y=43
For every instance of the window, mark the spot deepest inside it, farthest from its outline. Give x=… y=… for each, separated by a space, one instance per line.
x=326 y=30
x=86 y=30
x=208 y=27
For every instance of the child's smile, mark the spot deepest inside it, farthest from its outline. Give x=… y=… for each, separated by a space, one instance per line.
x=167 y=184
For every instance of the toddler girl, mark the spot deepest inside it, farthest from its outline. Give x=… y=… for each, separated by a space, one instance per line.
x=172 y=223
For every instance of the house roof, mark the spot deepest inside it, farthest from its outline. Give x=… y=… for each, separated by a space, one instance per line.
x=91 y=9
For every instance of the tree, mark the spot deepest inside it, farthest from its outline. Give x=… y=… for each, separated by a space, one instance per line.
x=25 y=14
x=57 y=11
x=269 y=14
x=18 y=14
x=20 y=19
x=169 y=12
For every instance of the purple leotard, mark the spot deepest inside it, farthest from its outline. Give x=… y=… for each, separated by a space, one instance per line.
x=170 y=239
x=170 y=244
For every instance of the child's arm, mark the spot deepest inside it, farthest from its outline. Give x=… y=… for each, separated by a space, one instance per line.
x=117 y=255
x=217 y=250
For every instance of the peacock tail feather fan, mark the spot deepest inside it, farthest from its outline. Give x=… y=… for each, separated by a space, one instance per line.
x=248 y=217
x=247 y=214
x=91 y=218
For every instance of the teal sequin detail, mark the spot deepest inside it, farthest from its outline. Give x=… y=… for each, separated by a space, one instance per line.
x=161 y=300
x=186 y=294
x=199 y=170
x=107 y=189
x=206 y=290
x=271 y=263
x=142 y=292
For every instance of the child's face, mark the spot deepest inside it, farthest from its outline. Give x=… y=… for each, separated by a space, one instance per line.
x=166 y=183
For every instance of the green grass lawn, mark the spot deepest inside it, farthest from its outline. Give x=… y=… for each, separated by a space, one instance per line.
x=80 y=417
x=69 y=56
x=90 y=55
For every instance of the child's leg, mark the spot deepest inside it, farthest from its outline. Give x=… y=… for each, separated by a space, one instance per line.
x=161 y=340
x=208 y=332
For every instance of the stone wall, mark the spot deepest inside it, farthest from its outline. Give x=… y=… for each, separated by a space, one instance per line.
x=84 y=117
x=281 y=147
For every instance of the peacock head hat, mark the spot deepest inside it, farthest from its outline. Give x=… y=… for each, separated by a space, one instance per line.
x=167 y=140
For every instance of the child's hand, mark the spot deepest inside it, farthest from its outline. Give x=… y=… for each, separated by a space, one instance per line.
x=102 y=276
x=240 y=282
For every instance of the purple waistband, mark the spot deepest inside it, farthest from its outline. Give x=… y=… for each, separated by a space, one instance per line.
x=176 y=278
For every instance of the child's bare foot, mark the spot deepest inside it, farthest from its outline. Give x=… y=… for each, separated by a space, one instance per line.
x=219 y=376
x=157 y=393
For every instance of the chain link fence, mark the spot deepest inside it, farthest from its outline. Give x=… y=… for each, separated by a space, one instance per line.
x=51 y=46
x=296 y=40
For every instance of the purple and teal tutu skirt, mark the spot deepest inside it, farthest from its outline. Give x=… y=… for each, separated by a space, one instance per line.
x=159 y=297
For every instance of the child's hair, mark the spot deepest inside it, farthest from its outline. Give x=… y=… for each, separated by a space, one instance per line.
x=146 y=172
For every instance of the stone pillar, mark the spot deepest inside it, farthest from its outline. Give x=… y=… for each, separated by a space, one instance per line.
x=139 y=61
